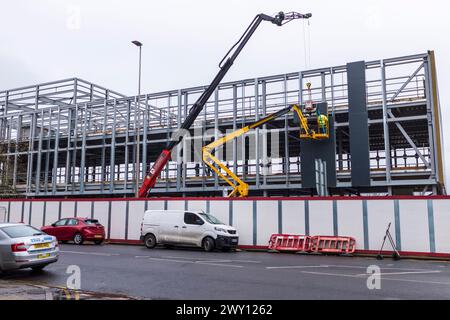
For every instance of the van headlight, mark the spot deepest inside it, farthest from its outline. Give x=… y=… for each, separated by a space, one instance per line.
x=220 y=229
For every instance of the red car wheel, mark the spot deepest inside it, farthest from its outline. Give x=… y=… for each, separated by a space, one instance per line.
x=78 y=239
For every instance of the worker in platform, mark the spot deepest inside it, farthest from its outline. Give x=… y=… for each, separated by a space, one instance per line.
x=322 y=123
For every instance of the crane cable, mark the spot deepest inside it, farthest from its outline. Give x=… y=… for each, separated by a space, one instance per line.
x=307 y=43
x=307 y=55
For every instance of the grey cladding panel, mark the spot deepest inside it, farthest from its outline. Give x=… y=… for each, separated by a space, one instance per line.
x=358 y=124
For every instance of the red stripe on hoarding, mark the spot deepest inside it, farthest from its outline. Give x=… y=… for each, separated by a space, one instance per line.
x=237 y=199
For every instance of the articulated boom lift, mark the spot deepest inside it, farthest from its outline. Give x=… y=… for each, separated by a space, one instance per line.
x=279 y=20
x=240 y=188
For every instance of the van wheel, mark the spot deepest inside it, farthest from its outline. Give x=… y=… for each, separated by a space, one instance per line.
x=208 y=244
x=150 y=241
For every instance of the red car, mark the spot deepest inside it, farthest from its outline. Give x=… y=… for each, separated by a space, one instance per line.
x=76 y=229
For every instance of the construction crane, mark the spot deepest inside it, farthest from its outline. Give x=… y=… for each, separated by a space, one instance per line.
x=320 y=131
x=225 y=64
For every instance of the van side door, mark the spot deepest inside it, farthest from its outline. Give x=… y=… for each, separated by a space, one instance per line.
x=192 y=229
x=170 y=229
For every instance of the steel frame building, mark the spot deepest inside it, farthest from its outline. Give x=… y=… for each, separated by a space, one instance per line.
x=74 y=138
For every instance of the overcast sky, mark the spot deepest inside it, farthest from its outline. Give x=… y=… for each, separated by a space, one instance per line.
x=42 y=40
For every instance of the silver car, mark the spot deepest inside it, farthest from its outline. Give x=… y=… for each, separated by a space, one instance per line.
x=23 y=246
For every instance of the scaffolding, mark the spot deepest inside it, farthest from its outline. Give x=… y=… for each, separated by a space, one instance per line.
x=74 y=138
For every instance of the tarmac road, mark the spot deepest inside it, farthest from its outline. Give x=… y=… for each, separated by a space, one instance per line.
x=193 y=274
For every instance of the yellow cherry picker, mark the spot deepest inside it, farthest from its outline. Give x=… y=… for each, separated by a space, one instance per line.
x=313 y=126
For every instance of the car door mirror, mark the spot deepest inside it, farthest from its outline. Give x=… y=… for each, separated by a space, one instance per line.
x=199 y=222
x=53 y=224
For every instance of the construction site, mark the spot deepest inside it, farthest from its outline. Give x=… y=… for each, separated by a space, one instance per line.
x=282 y=172
x=75 y=138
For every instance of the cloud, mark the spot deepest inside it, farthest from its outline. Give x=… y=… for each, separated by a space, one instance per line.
x=16 y=72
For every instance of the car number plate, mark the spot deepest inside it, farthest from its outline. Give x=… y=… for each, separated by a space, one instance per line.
x=234 y=241
x=98 y=236
x=42 y=245
x=43 y=256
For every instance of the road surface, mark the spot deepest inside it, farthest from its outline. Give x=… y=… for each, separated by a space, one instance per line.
x=193 y=274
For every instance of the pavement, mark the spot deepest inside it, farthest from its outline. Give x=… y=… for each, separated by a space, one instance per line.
x=130 y=272
x=20 y=290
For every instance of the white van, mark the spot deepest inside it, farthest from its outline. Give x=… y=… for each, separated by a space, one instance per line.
x=187 y=228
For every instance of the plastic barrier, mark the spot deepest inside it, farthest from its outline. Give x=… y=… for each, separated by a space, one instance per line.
x=289 y=242
x=330 y=244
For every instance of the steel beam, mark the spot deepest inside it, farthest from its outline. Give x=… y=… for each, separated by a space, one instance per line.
x=409 y=140
x=414 y=74
x=387 y=147
x=112 y=160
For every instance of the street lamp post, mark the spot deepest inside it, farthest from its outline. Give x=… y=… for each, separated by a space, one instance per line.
x=138 y=118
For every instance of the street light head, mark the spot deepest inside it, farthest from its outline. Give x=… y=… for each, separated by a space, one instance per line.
x=137 y=43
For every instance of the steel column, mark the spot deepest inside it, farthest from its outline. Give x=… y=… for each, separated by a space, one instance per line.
x=387 y=148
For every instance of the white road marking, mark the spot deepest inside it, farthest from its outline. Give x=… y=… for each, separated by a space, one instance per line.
x=142 y=256
x=195 y=259
x=211 y=263
x=172 y=260
x=93 y=253
x=345 y=266
x=222 y=265
x=212 y=260
x=383 y=279
x=187 y=258
x=382 y=267
x=418 y=281
x=296 y=267
x=332 y=274
x=397 y=273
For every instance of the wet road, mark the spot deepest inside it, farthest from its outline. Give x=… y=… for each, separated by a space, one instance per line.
x=193 y=274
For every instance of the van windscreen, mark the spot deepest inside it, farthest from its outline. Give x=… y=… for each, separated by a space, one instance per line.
x=210 y=218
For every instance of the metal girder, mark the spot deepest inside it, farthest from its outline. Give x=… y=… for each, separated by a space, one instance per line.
x=54 y=101
x=408 y=138
x=407 y=82
x=386 y=135
x=19 y=107
x=397 y=119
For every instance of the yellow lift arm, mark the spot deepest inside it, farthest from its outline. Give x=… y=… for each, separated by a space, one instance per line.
x=240 y=188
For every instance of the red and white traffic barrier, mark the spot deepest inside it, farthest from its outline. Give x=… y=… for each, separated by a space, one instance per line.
x=314 y=244
x=331 y=244
x=289 y=242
